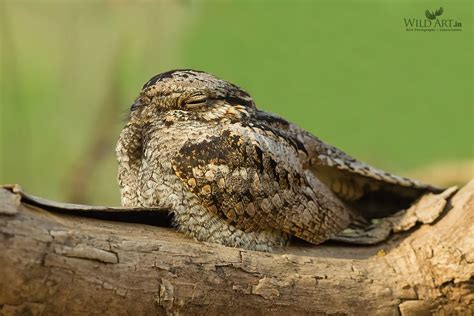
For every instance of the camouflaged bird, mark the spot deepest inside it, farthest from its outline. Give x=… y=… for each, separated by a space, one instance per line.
x=238 y=176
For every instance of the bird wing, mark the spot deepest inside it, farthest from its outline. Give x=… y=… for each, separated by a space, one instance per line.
x=253 y=177
x=322 y=155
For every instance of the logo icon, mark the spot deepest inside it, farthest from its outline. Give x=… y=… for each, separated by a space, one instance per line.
x=433 y=15
x=433 y=22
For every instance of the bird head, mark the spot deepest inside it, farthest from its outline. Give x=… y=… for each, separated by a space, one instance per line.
x=199 y=94
x=184 y=96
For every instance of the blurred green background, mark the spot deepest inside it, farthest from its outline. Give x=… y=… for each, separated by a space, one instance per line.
x=346 y=71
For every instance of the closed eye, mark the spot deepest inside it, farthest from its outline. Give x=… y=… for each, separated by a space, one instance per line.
x=195 y=101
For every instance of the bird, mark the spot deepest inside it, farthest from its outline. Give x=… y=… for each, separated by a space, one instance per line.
x=238 y=176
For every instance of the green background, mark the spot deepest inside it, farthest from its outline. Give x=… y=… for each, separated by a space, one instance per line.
x=345 y=70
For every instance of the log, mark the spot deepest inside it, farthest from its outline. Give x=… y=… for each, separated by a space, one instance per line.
x=55 y=263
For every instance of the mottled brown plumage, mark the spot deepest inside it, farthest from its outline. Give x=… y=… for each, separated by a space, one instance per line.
x=238 y=176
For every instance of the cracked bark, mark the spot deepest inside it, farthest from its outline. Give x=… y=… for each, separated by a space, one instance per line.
x=63 y=264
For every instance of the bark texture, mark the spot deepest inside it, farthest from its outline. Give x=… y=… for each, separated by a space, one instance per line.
x=55 y=263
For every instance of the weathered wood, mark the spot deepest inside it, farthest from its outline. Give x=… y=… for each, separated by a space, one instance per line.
x=54 y=263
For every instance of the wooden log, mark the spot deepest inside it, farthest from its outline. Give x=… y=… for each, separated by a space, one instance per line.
x=54 y=263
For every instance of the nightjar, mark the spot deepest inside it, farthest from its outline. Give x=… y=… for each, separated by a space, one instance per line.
x=238 y=176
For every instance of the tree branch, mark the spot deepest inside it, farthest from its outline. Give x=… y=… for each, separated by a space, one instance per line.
x=55 y=263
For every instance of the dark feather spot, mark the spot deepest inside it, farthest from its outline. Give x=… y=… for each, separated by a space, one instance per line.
x=259 y=159
x=235 y=100
x=260 y=115
x=168 y=74
x=168 y=123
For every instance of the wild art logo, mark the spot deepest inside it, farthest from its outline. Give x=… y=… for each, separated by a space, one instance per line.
x=432 y=23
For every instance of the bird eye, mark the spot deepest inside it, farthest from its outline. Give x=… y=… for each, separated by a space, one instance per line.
x=195 y=100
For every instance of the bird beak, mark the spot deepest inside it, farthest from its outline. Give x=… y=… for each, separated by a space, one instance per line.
x=135 y=105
